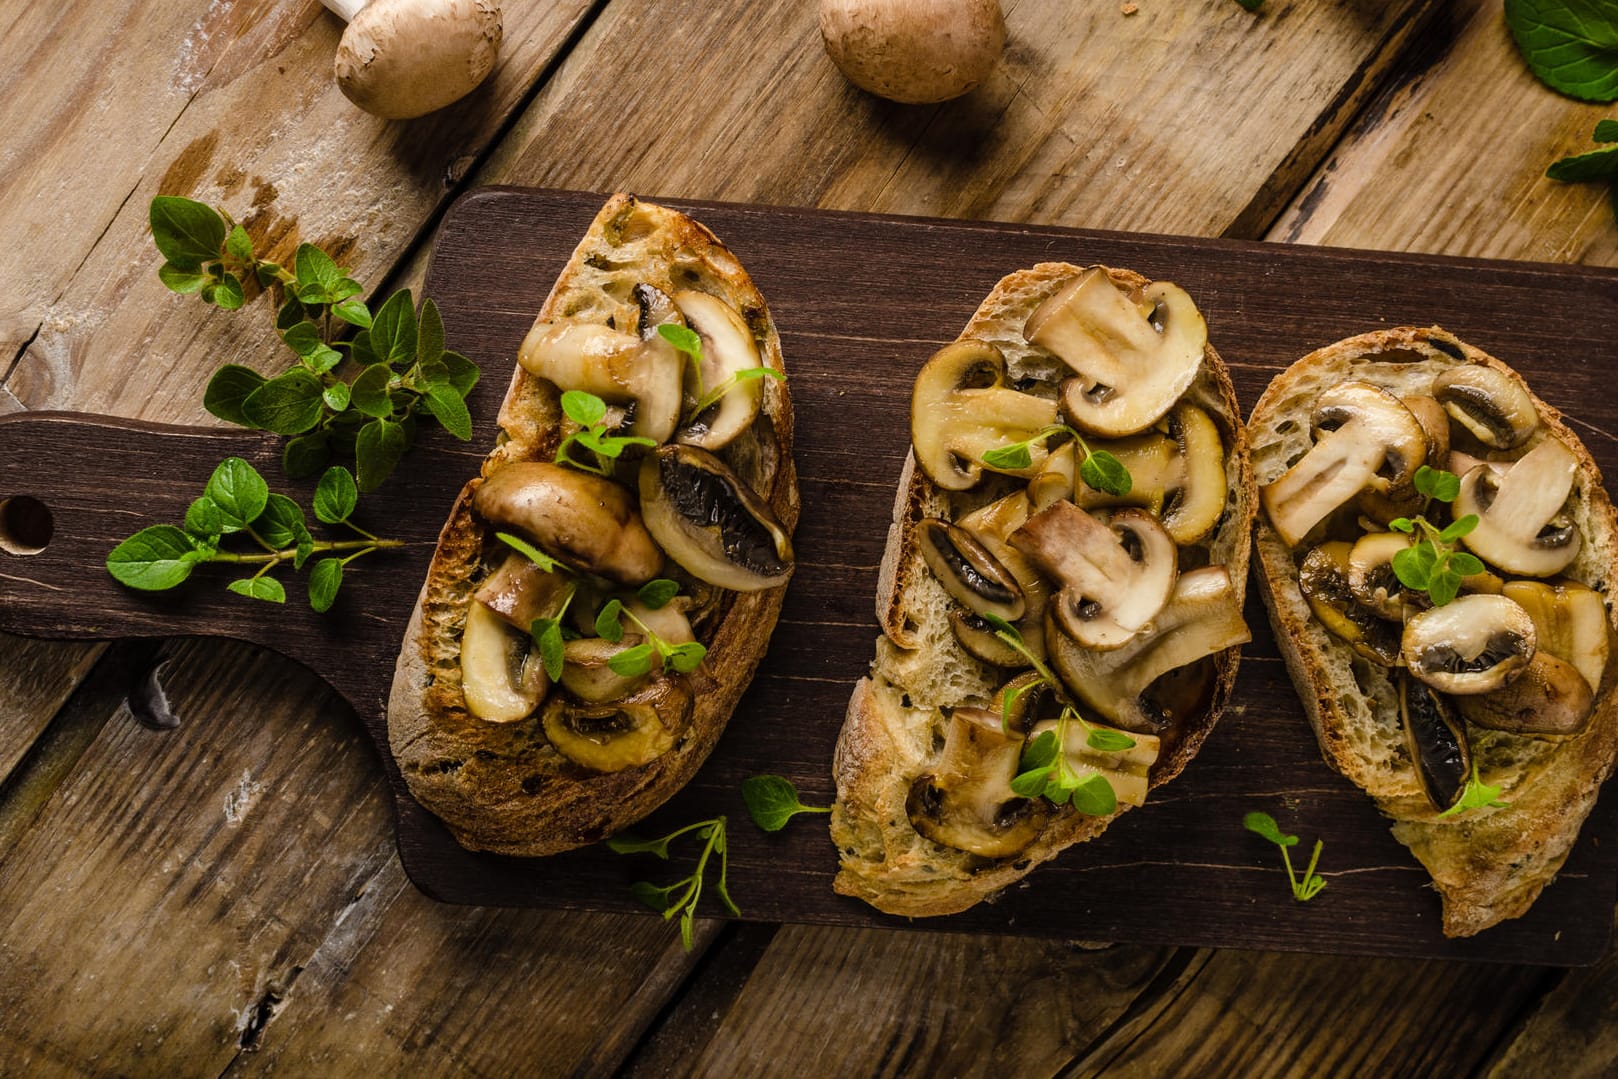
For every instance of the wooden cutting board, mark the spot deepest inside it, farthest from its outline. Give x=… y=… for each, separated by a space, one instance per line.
x=862 y=301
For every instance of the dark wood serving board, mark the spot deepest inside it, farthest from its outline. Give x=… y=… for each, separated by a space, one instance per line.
x=862 y=301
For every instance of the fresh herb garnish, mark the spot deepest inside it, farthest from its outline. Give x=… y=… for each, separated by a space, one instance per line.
x=1011 y=637
x=1596 y=165
x=1571 y=45
x=689 y=343
x=1433 y=564
x=550 y=637
x=1098 y=468
x=238 y=500
x=663 y=898
x=1046 y=773
x=1251 y=5
x=637 y=660
x=1475 y=795
x=590 y=413
x=773 y=800
x=532 y=553
x=404 y=369
x=1302 y=890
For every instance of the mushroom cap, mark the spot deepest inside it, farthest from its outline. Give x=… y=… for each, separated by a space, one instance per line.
x=1521 y=528
x=961 y=408
x=1496 y=408
x=913 y=53
x=1550 y=698
x=727 y=349
x=587 y=521
x=1473 y=644
x=712 y=523
x=400 y=59
x=1436 y=742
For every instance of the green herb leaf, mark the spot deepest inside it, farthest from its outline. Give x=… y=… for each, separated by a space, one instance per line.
x=658 y=899
x=265 y=588
x=188 y=233
x=288 y=404
x=1475 y=795
x=773 y=800
x=377 y=450
x=609 y=622
x=1444 y=587
x=354 y=312
x=369 y=393
x=239 y=491
x=632 y=662
x=185 y=282
x=1108 y=740
x=629 y=843
x=463 y=373
x=1571 y=45
x=1465 y=564
x=281 y=522
x=547 y=635
x=1437 y=484
x=336 y=495
x=230 y=386
x=1459 y=528
x=393 y=329
x=318 y=276
x=584 y=409
x=228 y=295
x=450 y=408
x=1094 y=796
x=1039 y=753
x=1263 y=824
x=430 y=337
x=685 y=658
x=682 y=338
x=1576 y=168
x=1414 y=565
x=155 y=558
x=1010 y=458
x=239 y=246
x=324 y=580
x=534 y=554
x=754 y=374
x=1402 y=524
x=657 y=593
x=204 y=520
x=1104 y=472
x=306 y=454
x=336 y=396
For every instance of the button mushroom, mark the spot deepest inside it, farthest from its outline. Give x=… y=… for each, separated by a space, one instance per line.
x=586 y=521
x=502 y=678
x=586 y=670
x=1364 y=437
x=968 y=571
x=619 y=734
x=712 y=523
x=1549 y=698
x=400 y=59
x=1324 y=580
x=991 y=525
x=966 y=801
x=1202 y=617
x=1570 y=622
x=1406 y=501
x=961 y=408
x=519 y=591
x=1436 y=743
x=616 y=366
x=1370 y=574
x=1521 y=527
x=1134 y=356
x=1494 y=407
x=1474 y=644
x=727 y=348
x=1112 y=577
x=1179 y=476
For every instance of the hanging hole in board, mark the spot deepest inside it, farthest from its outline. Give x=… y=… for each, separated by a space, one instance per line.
x=25 y=525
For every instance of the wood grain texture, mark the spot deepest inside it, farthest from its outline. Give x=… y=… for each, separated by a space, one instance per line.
x=35 y=678
x=1186 y=118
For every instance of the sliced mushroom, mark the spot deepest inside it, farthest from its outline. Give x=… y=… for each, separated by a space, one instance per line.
x=966 y=801
x=1202 y=617
x=617 y=367
x=619 y=734
x=1436 y=742
x=1496 y=408
x=968 y=571
x=1550 y=698
x=586 y=521
x=502 y=678
x=1473 y=644
x=712 y=523
x=1570 y=621
x=1032 y=699
x=961 y=408
x=727 y=348
x=519 y=591
x=1126 y=771
x=654 y=308
x=1134 y=354
x=1406 y=501
x=586 y=670
x=1323 y=578
x=1521 y=526
x=1180 y=477
x=1112 y=578
x=1370 y=574
x=992 y=525
x=1364 y=437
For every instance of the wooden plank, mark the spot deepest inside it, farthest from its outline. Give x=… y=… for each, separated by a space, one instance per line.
x=35 y=678
x=1195 y=119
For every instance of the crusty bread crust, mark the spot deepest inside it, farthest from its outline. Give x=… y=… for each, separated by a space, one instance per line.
x=893 y=728
x=1488 y=864
x=502 y=787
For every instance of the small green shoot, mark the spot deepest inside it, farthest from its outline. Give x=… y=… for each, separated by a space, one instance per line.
x=590 y=413
x=1434 y=564
x=682 y=896
x=1302 y=890
x=1098 y=468
x=637 y=659
x=773 y=800
x=1475 y=795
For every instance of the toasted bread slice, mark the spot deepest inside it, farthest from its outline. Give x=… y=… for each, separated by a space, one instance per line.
x=1488 y=863
x=893 y=731
x=502 y=786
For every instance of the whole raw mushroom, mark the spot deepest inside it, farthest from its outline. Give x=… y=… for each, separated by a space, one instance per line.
x=400 y=59
x=915 y=53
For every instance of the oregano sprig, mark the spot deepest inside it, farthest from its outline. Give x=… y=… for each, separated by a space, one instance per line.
x=1046 y=772
x=238 y=501
x=682 y=896
x=1593 y=166
x=589 y=412
x=1434 y=564
x=1098 y=468
x=773 y=800
x=400 y=367
x=637 y=659
x=1302 y=890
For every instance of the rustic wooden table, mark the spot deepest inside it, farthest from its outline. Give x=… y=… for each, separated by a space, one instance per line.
x=225 y=898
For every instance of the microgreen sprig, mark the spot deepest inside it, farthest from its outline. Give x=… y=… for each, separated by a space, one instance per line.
x=637 y=659
x=1302 y=890
x=1098 y=468
x=1011 y=637
x=1594 y=165
x=404 y=370
x=1475 y=795
x=590 y=413
x=1433 y=564
x=689 y=343
x=663 y=899
x=1045 y=771
x=238 y=500
x=773 y=800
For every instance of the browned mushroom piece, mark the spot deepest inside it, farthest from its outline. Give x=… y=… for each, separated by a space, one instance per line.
x=710 y=522
x=966 y=801
x=1550 y=698
x=968 y=571
x=1570 y=621
x=1473 y=644
x=1493 y=407
x=961 y=408
x=502 y=677
x=586 y=521
x=520 y=591
x=728 y=348
x=642 y=372
x=1436 y=742
x=626 y=733
x=1323 y=577
x=1522 y=527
